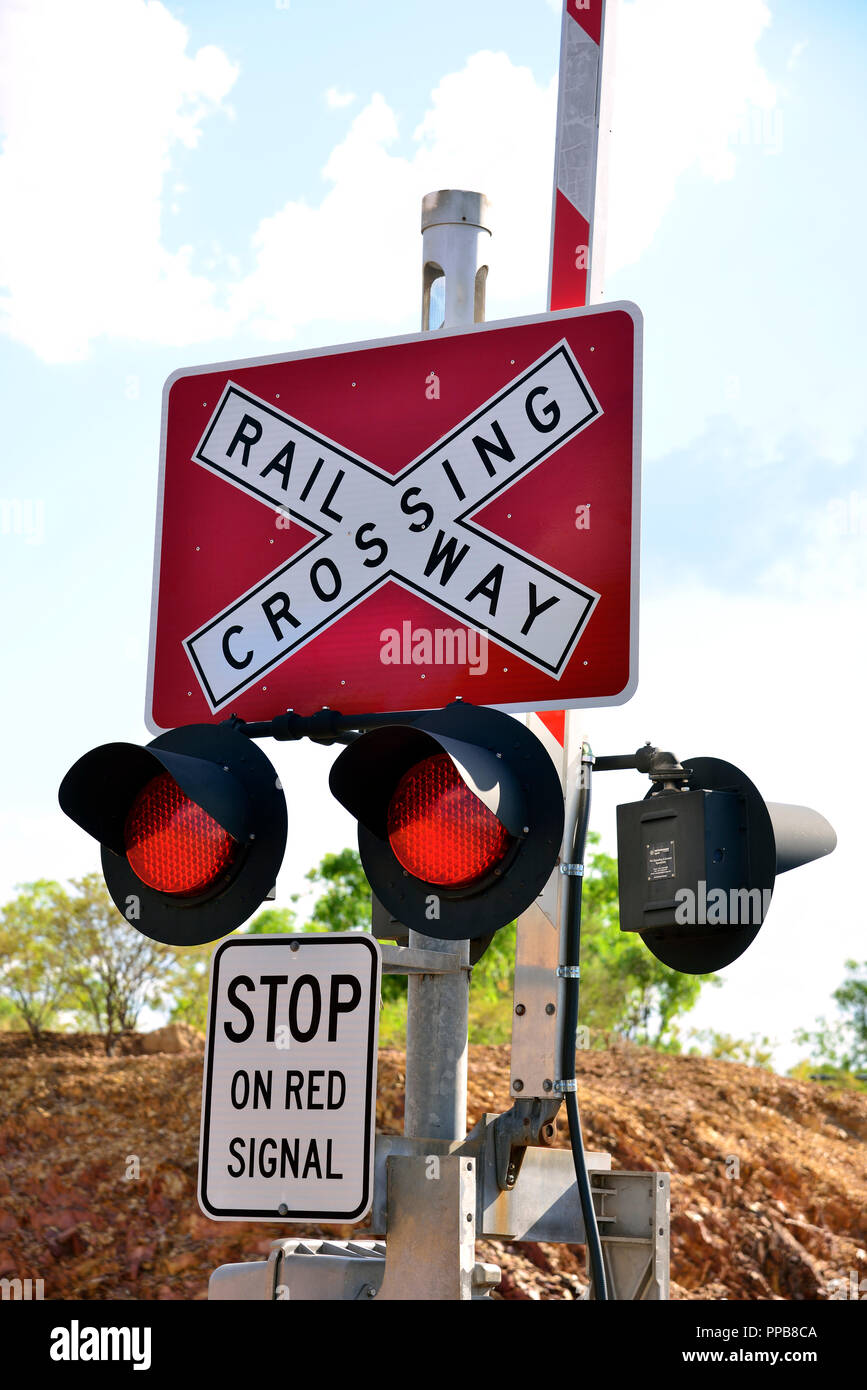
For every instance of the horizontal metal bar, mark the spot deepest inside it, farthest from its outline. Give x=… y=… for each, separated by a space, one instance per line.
x=325 y=725
x=640 y=761
x=407 y=960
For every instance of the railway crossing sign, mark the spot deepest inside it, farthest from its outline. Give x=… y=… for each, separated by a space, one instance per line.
x=289 y=1089
x=396 y=524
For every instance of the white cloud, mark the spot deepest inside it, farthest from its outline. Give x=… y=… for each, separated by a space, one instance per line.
x=347 y=258
x=99 y=96
x=831 y=562
x=335 y=98
x=94 y=100
x=488 y=127
x=795 y=56
x=688 y=87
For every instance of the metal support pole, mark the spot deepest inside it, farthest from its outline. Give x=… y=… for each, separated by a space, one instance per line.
x=453 y=236
x=437 y=1018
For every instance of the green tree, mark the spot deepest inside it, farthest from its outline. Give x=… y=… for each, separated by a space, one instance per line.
x=274 y=921
x=34 y=974
x=113 y=970
x=10 y=1018
x=851 y=1000
x=625 y=990
x=345 y=905
x=754 y=1051
x=842 y=1042
x=491 y=989
x=601 y=990
x=186 y=992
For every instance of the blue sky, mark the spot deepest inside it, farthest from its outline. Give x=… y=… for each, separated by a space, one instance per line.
x=185 y=184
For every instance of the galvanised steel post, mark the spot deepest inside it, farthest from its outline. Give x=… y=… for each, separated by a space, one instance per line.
x=454 y=240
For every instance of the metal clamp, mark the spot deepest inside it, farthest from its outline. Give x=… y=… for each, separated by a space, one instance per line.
x=516 y=1129
x=569 y=972
x=569 y=1085
x=575 y=870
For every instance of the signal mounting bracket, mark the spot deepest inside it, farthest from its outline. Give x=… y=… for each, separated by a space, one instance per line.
x=528 y=1122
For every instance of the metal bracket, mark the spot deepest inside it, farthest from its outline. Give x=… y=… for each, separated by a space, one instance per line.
x=635 y=1240
x=569 y=972
x=407 y=960
x=431 y=1246
x=525 y=1124
x=569 y=1084
x=575 y=870
x=534 y=1022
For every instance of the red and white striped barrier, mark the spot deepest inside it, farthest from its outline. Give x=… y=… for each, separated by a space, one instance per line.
x=580 y=164
x=580 y=185
x=575 y=279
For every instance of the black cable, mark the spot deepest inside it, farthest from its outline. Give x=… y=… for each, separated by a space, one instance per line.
x=576 y=842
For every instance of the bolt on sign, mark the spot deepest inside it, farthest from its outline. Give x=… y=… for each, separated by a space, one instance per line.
x=289 y=1088
x=397 y=524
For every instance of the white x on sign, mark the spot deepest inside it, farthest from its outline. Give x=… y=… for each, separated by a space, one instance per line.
x=413 y=528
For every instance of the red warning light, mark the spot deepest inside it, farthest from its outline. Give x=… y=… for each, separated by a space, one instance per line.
x=172 y=844
x=440 y=831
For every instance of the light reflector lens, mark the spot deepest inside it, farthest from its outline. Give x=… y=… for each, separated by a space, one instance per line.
x=172 y=844
x=439 y=831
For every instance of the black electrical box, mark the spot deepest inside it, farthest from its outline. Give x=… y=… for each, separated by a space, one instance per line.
x=674 y=841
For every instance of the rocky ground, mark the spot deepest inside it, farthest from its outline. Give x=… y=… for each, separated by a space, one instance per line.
x=98 y=1163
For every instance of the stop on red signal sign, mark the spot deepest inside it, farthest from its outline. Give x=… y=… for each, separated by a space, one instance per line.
x=396 y=524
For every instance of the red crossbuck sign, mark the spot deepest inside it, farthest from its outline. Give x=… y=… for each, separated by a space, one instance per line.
x=365 y=530
x=413 y=528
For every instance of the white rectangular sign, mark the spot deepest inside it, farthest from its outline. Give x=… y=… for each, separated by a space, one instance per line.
x=289 y=1090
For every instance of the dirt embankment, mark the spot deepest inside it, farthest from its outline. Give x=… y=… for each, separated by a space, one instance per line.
x=98 y=1162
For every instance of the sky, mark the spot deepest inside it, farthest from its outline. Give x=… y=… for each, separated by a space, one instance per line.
x=184 y=184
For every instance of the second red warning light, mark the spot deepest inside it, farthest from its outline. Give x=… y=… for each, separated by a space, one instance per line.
x=460 y=818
